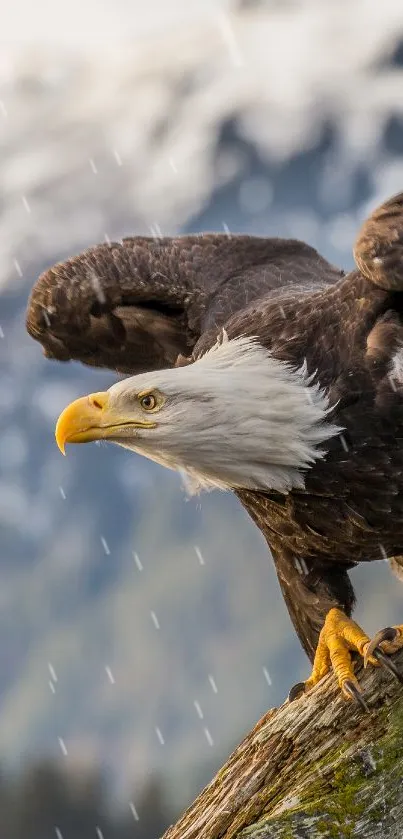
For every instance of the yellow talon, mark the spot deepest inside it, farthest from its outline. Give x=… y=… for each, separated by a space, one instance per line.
x=339 y=637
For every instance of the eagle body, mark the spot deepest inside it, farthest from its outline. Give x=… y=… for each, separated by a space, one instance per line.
x=145 y=306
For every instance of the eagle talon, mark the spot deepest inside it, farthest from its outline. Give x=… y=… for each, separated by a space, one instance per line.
x=390 y=633
x=387 y=664
x=296 y=691
x=354 y=692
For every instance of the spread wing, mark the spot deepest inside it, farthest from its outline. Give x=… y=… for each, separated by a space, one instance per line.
x=141 y=303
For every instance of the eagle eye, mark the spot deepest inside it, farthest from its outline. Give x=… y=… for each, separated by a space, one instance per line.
x=148 y=402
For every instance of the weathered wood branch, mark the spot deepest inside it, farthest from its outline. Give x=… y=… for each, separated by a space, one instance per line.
x=314 y=768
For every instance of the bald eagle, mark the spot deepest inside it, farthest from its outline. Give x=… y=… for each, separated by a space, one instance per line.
x=258 y=367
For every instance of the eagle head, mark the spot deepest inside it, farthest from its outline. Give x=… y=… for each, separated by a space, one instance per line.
x=236 y=418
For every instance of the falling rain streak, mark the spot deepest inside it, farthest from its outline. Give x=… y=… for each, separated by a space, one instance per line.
x=208 y=737
x=156 y=231
x=343 y=442
x=199 y=711
x=267 y=675
x=212 y=683
x=134 y=811
x=199 y=555
x=137 y=561
x=98 y=290
x=17 y=267
x=110 y=675
x=62 y=746
x=52 y=671
x=155 y=620
x=159 y=735
x=105 y=545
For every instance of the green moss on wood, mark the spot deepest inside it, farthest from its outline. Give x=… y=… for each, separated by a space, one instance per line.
x=358 y=789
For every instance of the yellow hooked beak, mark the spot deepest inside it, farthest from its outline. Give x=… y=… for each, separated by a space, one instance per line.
x=92 y=418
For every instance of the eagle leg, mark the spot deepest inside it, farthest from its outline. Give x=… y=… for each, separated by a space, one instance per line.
x=339 y=638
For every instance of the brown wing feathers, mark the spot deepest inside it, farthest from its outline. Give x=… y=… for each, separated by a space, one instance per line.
x=379 y=245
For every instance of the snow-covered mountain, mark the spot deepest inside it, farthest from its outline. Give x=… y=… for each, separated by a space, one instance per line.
x=141 y=629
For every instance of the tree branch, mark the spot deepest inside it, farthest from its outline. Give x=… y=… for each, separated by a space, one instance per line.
x=317 y=767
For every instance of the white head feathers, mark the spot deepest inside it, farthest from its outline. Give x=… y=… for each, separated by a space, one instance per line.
x=235 y=418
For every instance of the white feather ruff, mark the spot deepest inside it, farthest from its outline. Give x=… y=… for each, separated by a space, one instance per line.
x=235 y=418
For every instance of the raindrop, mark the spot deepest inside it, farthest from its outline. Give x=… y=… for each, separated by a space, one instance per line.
x=62 y=746
x=212 y=683
x=62 y=493
x=17 y=267
x=134 y=811
x=25 y=203
x=199 y=555
x=137 y=561
x=155 y=231
x=301 y=566
x=267 y=675
x=52 y=671
x=208 y=737
x=343 y=442
x=383 y=552
x=105 y=545
x=96 y=285
x=199 y=711
x=159 y=735
x=93 y=166
x=110 y=675
x=117 y=157
x=155 y=620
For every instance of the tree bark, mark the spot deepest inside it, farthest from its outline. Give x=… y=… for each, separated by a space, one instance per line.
x=317 y=767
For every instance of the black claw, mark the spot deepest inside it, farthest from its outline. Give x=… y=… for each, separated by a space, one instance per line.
x=387 y=634
x=388 y=664
x=355 y=694
x=296 y=691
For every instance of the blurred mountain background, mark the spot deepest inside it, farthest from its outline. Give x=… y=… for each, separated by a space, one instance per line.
x=143 y=634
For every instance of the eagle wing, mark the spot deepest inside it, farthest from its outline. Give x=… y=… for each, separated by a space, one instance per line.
x=141 y=303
